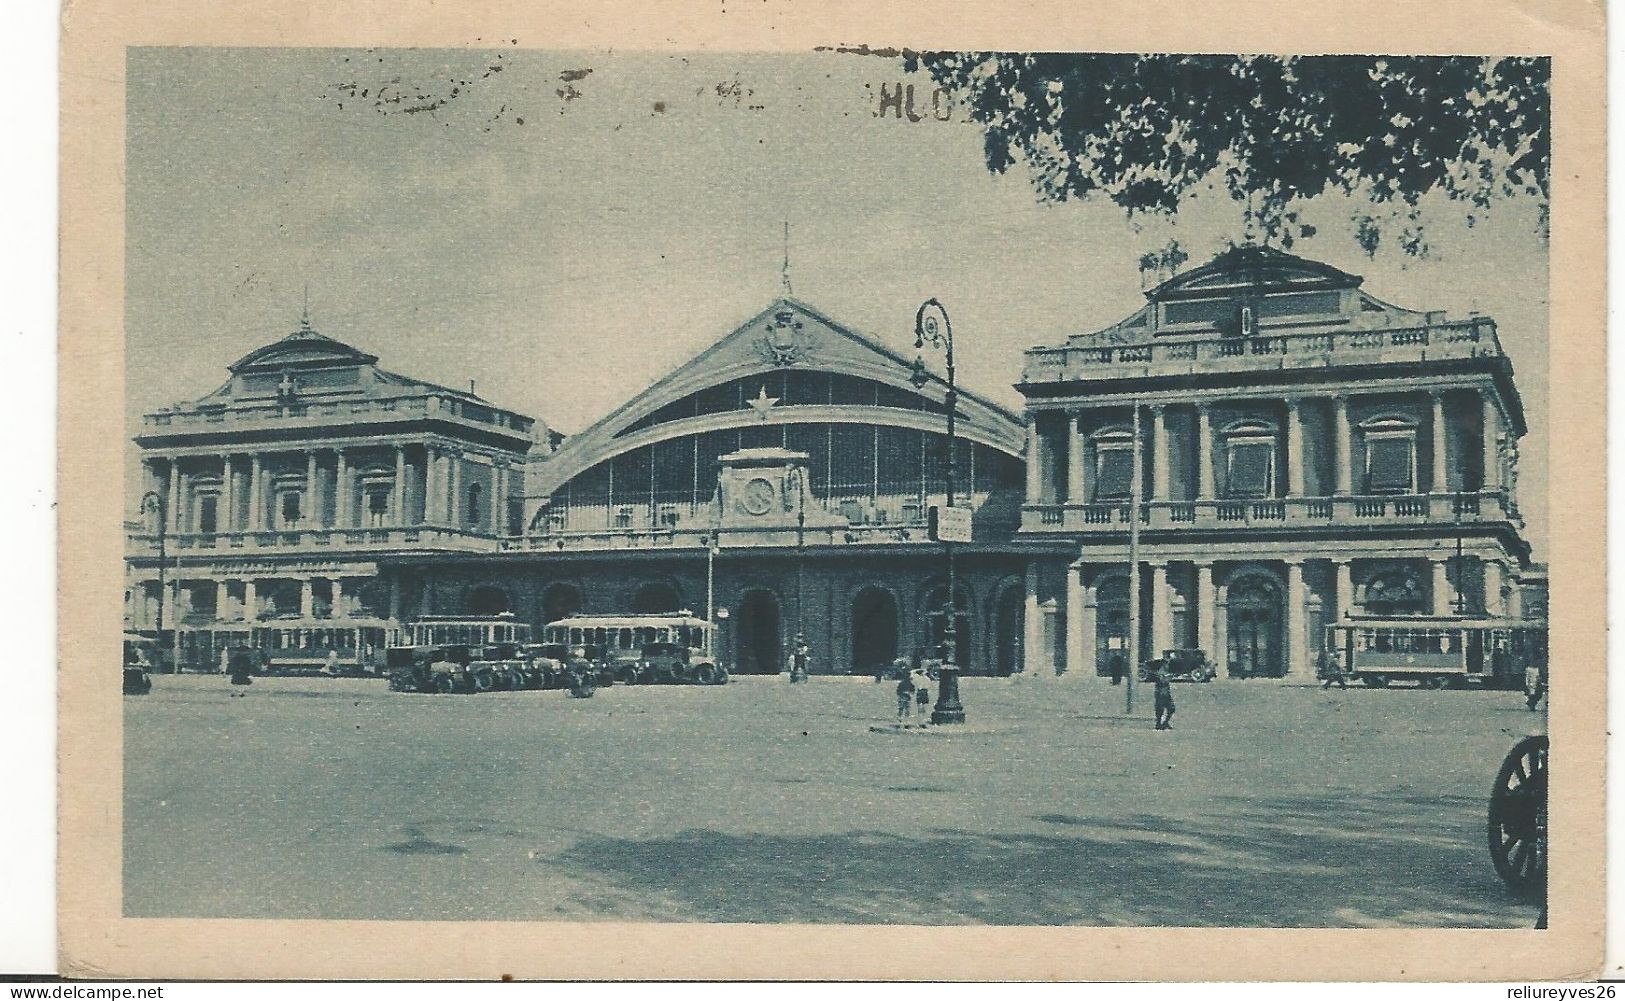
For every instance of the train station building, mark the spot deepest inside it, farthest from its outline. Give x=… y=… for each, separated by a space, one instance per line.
x=1308 y=451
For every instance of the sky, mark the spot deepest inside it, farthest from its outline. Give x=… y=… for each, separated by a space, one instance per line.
x=564 y=228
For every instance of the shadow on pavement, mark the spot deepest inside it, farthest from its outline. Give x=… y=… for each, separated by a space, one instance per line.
x=1292 y=862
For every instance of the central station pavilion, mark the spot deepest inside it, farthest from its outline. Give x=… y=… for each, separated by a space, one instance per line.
x=1309 y=452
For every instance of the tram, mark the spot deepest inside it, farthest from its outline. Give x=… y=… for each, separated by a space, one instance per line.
x=293 y=646
x=1435 y=652
x=641 y=649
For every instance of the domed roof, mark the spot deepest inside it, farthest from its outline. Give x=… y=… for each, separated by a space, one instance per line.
x=1254 y=268
x=301 y=349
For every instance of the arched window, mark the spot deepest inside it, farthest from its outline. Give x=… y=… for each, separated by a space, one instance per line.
x=1114 y=464
x=472 y=511
x=1249 y=459
x=1390 y=455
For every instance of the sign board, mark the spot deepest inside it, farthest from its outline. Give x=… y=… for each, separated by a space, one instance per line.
x=949 y=524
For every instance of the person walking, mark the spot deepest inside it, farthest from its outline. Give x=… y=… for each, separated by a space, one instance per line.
x=1117 y=661
x=905 y=696
x=241 y=668
x=1164 y=699
x=1331 y=669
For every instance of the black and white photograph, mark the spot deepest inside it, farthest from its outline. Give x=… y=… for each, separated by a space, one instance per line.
x=861 y=485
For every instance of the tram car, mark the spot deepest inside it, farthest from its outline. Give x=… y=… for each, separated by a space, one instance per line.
x=663 y=648
x=1438 y=652
x=468 y=654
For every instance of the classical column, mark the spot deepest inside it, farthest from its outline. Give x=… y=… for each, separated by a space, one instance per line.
x=1294 y=448
x=1035 y=480
x=1440 y=481
x=341 y=490
x=1492 y=588
x=455 y=502
x=1342 y=455
x=499 y=497
x=256 y=493
x=395 y=599
x=172 y=497
x=1204 y=452
x=1074 y=459
x=1297 y=645
x=1221 y=630
x=251 y=601
x=336 y=611
x=313 y=500
x=1159 y=455
x=1074 y=618
x=227 y=519
x=1088 y=634
x=400 y=485
x=1206 y=638
x=1492 y=435
x=434 y=490
x=1032 y=628
x=307 y=599
x=1514 y=602
x=1345 y=589
x=1162 y=613
x=1443 y=599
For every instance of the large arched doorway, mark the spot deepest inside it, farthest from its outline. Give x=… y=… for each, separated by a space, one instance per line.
x=1009 y=617
x=756 y=626
x=487 y=600
x=874 y=630
x=560 y=601
x=655 y=598
x=1254 y=628
x=1111 y=624
x=934 y=617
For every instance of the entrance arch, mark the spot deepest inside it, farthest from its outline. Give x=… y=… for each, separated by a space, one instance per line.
x=560 y=601
x=487 y=600
x=655 y=598
x=757 y=629
x=1009 y=620
x=874 y=630
x=1254 y=628
x=1111 y=624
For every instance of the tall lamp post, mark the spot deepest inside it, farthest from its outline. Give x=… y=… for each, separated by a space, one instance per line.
x=153 y=502
x=931 y=327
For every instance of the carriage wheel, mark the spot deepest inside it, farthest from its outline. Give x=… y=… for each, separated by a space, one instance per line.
x=482 y=681
x=443 y=684
x=1517 y=828
x=627 y=676
x=705 y=674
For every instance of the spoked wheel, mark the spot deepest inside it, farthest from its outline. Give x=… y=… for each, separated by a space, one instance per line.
x=705 y=674
x=627 y=676
x=443 y=684
x=1517 y=829
x=483 y=681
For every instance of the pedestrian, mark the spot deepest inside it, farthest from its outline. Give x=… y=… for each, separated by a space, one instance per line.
x=332 y=665
x=1117 y=661
x=240 y=668
x=922 y=695
x=1331 y=669
x=225 y=659
x=1533 y=689
x=905 y=696
x=1164 y=699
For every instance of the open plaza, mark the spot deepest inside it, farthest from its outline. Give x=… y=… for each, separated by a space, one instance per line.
x=1268 y=804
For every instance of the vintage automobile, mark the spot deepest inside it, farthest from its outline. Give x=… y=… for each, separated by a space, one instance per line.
x=676 y=664
x=1517 y=819
x=618 y=644
x=1181 y=665
x=448 y=654
x=140 y=654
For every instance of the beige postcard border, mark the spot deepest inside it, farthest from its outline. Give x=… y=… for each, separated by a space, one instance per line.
x=97 y=942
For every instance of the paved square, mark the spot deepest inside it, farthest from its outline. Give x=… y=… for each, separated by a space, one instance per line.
x=766 y=802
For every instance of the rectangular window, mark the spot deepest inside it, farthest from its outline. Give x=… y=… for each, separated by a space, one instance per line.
x=206 y=513
x=290 y=508
x=1250 y=469
x=1389 y=465
x=1114 y=472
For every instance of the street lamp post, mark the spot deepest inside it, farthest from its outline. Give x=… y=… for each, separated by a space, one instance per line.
x=931 y=327
x=153 y=502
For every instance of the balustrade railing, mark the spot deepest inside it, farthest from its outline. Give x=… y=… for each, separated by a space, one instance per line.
x=316 y=538
x=406 y=406
x=1270 y=511
x=1455 y=339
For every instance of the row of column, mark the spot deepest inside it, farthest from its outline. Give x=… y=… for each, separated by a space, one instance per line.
x=307 y=597
x=1342 y=463
x=1211 y=600
x=443 y=491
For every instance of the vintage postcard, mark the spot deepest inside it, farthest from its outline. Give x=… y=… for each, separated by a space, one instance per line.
x=764 y=491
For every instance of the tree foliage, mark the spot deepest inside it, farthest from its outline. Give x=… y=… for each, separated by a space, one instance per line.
x=1146 y=131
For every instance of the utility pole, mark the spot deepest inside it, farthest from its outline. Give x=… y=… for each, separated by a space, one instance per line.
x=1134 y=490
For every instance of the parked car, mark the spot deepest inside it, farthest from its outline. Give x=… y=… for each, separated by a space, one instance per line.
x=1181 y=665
